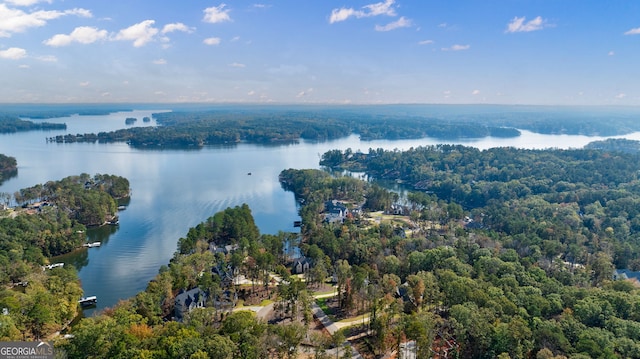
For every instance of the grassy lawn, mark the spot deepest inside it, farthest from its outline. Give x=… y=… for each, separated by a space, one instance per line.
x=322 y=303
x=359 y=319
x=325 y=292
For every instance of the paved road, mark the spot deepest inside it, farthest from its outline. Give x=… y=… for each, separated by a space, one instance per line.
x=331 y=327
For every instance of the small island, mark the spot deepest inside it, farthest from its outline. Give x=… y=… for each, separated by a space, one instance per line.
x=130 y=120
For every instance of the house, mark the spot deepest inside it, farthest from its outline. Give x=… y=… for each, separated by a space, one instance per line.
x=301 y=265
x=334 y=211
x=188 y=300
x=225 y=274
x=626 y=274
x=223 y=249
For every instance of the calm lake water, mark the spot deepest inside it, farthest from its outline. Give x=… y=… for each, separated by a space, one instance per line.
x=173 y=190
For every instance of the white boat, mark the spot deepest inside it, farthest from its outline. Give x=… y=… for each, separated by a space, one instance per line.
x=88 y=301
x=54 y=265
x=91 y=245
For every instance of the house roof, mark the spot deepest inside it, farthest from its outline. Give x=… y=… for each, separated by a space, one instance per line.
x=187 y=297
x=627 y=274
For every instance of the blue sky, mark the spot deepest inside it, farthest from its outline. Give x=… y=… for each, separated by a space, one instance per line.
x=548 y=52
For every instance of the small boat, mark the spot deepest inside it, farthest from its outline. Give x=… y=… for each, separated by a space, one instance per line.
x=122 y=208
x=249 y=174
x=91 y=245
x=88 y=301
x=297 y=223
x=54 y=265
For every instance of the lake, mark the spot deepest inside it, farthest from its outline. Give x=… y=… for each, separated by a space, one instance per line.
x=173 y=190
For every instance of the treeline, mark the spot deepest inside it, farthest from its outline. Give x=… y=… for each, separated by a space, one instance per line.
x=10 y=124
x=38 y=301
x=8 y=167
x=44 y=111
x=146 y=325
x=529 y=277
x=278 y=125
x=595 y=193
x=88 y=200
x=615 y=145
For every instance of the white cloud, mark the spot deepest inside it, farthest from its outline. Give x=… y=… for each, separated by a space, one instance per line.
x=634 y=31
x=456 y=47
x=140 y=33
x=401 y=22
x=13 y=53
x=381 y=8
x=342 y=14
x=216 y=14
x=23 y=66
x=212 y=41
x=518 y=24
x=178 y=26
x=621 y=95
x=251 y=93
x=611 y=53
x=83 y=35
x=160 y=62
x=426 y=42
x=84 y=84
x=15 y=20
x=236 y=64
x=475 y=92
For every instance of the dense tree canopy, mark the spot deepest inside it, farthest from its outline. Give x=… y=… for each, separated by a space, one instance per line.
x=39 y=300
x=11 y=124
x=8 y=167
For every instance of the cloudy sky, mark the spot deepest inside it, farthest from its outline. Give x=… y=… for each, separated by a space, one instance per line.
x=573 y=52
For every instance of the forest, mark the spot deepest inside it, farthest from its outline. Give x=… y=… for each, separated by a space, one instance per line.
x=52 y=219
x=8 y=167
x=616 y=145
x=274 y=125
x=501 y=253
x=193 y=127
x=11 y=124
